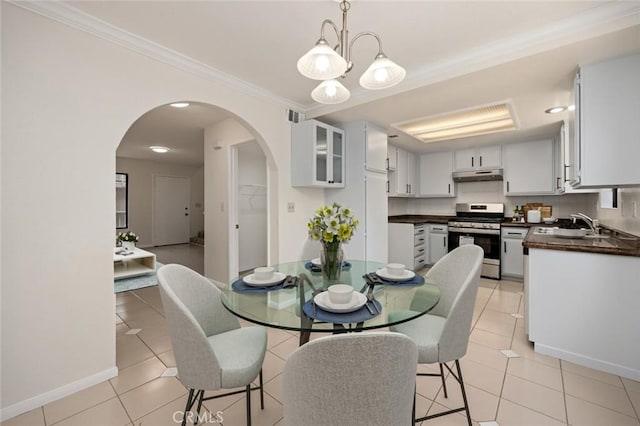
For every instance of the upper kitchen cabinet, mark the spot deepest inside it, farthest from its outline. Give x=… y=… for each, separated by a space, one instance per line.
x=435 y=171
x=317 y=155
x=529 y=168
x=485 y=157
x=402 y=182
x=392 y=157
x=607 y=124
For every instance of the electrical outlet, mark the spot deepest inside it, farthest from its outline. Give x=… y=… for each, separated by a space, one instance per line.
x=291 y=207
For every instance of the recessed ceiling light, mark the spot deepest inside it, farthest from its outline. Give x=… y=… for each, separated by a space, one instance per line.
x=474 y=121
x=180 y=104
x=555 y=110
x=159 y=149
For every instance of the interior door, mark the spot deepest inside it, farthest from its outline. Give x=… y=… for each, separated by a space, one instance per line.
x=170 y=210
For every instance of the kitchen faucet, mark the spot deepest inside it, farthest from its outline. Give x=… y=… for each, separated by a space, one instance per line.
x=592 y=223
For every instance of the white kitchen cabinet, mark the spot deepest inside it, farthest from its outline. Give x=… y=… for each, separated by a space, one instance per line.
x=408 y=245
x=392 y=157
x=485 y=157
x=511 y=255
x=607 y=124
x=583 y=309
x=402 y=182
x=317 y=155
x=365 y=191
x=435 y=171
x=438 y=242
x=529 y=168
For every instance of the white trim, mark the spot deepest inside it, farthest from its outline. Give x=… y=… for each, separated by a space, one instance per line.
x=76 y=18
x=232 y=202
x=608 y=367
x=56 y=394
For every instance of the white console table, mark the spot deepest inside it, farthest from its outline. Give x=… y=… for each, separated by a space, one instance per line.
x=140 y=262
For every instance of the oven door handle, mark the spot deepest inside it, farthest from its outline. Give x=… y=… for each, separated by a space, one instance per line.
x=474 y=231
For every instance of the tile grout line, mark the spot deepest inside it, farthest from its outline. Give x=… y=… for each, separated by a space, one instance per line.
x=630 y=400
x=121 y=403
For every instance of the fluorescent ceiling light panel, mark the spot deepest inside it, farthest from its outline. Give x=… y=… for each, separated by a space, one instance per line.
x=474 y=121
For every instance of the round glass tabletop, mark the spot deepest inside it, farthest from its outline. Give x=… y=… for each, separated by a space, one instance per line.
x=281 y=307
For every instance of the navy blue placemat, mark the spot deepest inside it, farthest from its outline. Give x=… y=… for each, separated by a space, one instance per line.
x=360 y=315
x=416 y=280
x=314 y=268
x=242 y=287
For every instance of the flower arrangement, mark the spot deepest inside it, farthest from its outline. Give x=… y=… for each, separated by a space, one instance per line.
x=127 y=237
x=332 y=224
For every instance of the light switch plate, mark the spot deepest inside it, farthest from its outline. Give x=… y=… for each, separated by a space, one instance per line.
x=291 y=207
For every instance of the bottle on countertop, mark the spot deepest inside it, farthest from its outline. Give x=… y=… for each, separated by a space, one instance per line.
x=516 y=214
x=522 y=219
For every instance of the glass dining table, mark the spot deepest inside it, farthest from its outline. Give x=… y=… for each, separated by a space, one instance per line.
x=294 y=308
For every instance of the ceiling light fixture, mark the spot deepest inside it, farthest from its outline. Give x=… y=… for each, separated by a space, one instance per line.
x=475 y=121
x=324 y=63
x=180 y=104
x=159 y=149
x=555 y=110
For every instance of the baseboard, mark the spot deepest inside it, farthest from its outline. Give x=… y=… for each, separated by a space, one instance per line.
x=597 y=364
x=56 y=394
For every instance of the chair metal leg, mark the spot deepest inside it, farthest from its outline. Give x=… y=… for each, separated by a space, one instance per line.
x=261 y=392
x=249 y=405
x=444 y=385
x=199 y=406
x=190 y=401
x=458 y=377
x=464 y=394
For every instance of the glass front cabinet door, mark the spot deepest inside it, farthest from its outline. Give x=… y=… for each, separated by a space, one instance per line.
x=317 y=155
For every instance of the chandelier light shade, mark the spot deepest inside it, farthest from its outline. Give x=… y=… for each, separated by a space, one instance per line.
x=382 y=73
x=324 y=63
x=330 y=92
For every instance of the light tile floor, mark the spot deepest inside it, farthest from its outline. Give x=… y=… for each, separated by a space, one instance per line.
x=530 y=389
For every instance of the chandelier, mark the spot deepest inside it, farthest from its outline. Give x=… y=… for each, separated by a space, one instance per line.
x=325 y=63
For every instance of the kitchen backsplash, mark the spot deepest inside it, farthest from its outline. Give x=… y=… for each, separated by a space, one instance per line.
x=622 y=217
x=492 y=192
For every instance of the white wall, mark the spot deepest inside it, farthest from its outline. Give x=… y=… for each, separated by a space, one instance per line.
x=492 y=192
x=622 y=218
x=141 y=174
x=69 y=97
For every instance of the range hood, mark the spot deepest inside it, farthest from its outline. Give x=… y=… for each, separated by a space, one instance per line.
x=477 y=175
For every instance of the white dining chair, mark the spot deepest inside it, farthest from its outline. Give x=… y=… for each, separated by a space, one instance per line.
x=442 y=335
x=359 y=379
x=212 y=351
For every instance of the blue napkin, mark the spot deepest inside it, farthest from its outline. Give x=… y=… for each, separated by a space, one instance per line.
x=314 y=268
x=416 y=280
x=360 y=315
x=242 y=287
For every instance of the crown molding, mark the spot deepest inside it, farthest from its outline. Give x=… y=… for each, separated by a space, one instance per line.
x=76 y=18
x=594 y=22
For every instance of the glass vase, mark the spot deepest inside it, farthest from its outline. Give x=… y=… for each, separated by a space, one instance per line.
x=331 y=261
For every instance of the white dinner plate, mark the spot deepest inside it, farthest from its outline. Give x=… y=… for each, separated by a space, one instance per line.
x=251 y=280
x=406 y=275
x=316 y=262
x=357 y=301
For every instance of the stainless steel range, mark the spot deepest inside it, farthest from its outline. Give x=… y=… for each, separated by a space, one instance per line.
x=479 y=224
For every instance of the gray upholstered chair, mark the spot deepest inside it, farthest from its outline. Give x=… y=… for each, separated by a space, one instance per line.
x=442 y=335
x=359 y=379
x=212 y=351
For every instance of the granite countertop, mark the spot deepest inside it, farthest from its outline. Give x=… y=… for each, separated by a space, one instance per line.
x=615 y=242
x=417 y=219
